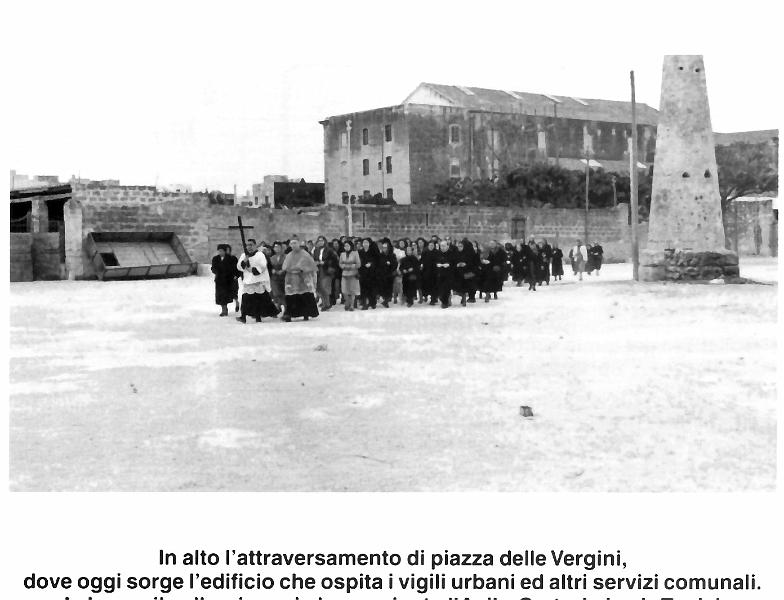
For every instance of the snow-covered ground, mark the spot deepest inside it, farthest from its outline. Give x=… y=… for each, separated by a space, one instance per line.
x=633 y=387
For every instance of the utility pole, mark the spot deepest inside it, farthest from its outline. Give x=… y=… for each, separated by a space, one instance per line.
x=587 y=182
x=348 y=178
x=634 y=187
x=555 y=135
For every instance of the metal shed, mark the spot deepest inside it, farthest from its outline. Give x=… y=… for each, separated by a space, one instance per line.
x=138 y=255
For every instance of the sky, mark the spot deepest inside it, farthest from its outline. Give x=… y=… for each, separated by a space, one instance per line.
x=220 y=94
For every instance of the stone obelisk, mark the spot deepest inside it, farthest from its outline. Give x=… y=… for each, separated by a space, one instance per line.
x=685 y=234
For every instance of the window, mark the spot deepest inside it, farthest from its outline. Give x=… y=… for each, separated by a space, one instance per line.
x=389 y=164
x=390 y=194
x=365 y=137
x=388 y=133
x=454 y=134
x=454 y=168
x=366 y=166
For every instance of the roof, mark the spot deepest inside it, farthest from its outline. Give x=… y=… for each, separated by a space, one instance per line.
x=761 y=136
x=513 y=101
x=50 y=192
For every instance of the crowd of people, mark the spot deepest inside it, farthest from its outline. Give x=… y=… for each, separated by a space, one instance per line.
x=294 y=279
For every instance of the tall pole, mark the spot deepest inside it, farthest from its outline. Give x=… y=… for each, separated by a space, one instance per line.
x=634 y=187
x=348 y=178
x=587 y=181
x=555 y=134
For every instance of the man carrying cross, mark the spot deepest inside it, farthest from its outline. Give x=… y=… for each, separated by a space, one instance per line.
x=256 y=300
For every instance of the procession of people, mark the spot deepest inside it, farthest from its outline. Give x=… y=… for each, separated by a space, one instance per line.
x=294 y=279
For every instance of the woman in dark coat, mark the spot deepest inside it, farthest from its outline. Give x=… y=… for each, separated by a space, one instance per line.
x=224 y=269
x=533 y=264
x=557 y=263
x=518 y=264
x=235 y=286
x=509 y=250
x=428 y=262
x=445 y=265
x=387 y=266
x=544 y=265
x=409 y=269
x=368 y=273
x=337 y=248
x=466 y=271
x=493 y=268
x=595 y=256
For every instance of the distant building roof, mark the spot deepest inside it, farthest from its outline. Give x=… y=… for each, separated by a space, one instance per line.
x=511 y=101
x=761 y=136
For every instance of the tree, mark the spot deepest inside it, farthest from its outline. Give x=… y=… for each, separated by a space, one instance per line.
x=745 y=169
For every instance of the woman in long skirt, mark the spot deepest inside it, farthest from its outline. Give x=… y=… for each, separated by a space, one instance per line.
x=349 y=282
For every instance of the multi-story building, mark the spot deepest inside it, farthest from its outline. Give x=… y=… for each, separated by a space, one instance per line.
x=280 y=190
x=444 y=131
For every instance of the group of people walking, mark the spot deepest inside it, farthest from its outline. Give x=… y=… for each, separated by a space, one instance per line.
x=361 y=273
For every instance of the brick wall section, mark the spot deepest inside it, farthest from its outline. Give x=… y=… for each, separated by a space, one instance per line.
x=200 y=225
x=46 y=256
x=21 y=257
x=749 y=214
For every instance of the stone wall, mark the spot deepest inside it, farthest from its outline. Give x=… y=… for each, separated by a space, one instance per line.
x=685 y=266
x=21 y=256
x=47 y=256
x=742 y=217
x=200 y=225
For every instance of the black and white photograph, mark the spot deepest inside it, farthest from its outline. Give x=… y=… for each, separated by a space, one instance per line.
x=396 y=248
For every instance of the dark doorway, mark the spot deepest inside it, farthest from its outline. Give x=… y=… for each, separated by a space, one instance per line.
x=20 y=216
x=55 y=211
x=518 y=228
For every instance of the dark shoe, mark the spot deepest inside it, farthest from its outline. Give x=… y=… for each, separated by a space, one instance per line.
x=444 y=305
x=258 y=319
x=224 y=313
x=286 y=319
x=409 y=304
x=241 y=319
x=323 y=308
x=495 y=296
x=346 y=307
x=472 y=300
x=385 y=304
x=364 y=308
x=433 y=302
x=462 y=301
x=306 y=317
x=487 y=298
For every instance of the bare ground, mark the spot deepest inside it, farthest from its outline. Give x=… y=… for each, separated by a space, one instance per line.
x=633 y=387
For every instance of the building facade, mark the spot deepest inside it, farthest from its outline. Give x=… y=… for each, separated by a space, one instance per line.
x=441 y=132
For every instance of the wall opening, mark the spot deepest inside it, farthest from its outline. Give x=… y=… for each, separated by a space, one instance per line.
x=109 y=259
x=20 y=216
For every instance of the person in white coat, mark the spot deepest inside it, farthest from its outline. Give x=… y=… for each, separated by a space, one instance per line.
x=579 y=256
x=256 y=299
